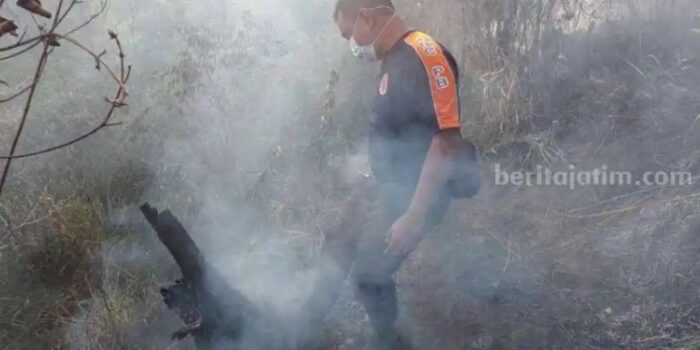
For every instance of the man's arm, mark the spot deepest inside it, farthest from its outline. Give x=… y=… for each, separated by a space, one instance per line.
x=446 y=149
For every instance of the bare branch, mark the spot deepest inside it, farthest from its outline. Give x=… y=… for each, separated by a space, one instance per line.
x=52 y=39
x=118 y=101
x=97 y=57
x=105 y=124
x=68 y=10
x=102 y=9
x=25 y=49
x=57 y=21
x=20 y=43
x=27 y=107
x=17 y=94
x=58 y=15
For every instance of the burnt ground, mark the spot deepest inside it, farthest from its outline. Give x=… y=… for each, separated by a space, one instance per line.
x=612 y=267
x=590 y=268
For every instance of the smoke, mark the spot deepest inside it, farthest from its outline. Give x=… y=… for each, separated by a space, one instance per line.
x=245 y=93
x=248 y=84
x=225 y=126
x=224 y=98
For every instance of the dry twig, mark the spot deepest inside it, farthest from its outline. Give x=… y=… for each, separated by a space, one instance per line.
x=51 y=38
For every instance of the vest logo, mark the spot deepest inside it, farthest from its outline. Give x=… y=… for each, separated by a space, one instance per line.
x=429 y=46
x=440 y=79
x=384 y=84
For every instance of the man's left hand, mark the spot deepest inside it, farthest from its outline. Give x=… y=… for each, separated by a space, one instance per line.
x=405 y=234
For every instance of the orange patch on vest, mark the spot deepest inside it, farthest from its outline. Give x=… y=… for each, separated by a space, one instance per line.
x=443 y=83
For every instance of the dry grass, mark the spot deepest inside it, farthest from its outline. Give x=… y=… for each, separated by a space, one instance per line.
x=51 y=267
x=502 y=39
x=61 y=265
x=55 y=267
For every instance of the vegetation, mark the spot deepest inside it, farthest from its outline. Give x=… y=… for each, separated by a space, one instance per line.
x=243 y=119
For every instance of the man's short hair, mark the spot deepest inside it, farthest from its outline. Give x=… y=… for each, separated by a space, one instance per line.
x=350 y=8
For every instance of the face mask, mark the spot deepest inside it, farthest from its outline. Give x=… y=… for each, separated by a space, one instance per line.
x=367 y=53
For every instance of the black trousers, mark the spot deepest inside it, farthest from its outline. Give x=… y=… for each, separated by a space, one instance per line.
x=356 y=246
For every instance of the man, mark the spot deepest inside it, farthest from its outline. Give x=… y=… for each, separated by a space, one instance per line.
x=418 y=157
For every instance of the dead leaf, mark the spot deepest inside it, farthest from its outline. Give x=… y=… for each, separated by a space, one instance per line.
x=7 y=26
x=34 y=6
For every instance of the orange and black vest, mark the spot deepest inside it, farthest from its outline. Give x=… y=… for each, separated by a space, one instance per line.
x=417 y=96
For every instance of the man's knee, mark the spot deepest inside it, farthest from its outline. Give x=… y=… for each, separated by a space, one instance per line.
x=373 y=292
x=368 y=279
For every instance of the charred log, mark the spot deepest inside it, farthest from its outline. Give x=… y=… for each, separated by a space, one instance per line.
x=215 y=314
